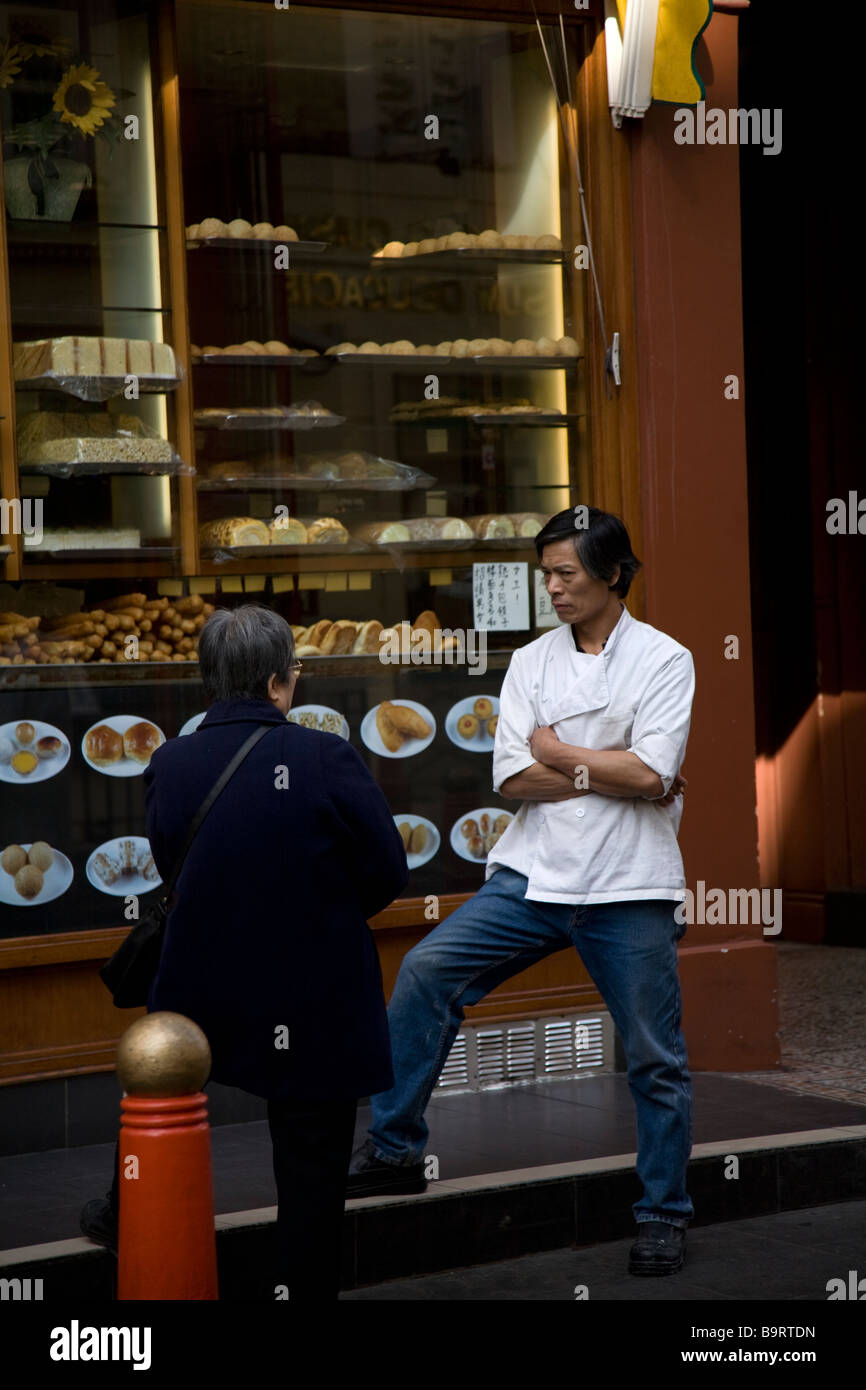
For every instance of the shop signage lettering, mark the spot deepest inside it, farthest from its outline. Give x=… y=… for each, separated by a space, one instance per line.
x=326 y=289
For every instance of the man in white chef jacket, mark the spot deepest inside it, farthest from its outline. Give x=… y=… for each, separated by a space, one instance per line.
x=593 y=722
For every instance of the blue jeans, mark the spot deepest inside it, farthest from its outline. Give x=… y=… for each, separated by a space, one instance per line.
x=629 y=949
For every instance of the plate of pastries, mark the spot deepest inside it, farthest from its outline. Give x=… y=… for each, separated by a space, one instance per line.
x=31 y=751
x=420 y=839
x=320 y=717
x=475 y=834
x=122 y=745
x=398 y=728
x=122 y=866
x=32 y=874
x=471 y=723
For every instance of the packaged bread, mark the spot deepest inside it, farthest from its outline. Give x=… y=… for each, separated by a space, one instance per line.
x=491 y=526
x=287 y=530
x=69 y=436
x=326 y=530
x=382 y=532
x=438 y=528
x=234 y=530
x=92 y=357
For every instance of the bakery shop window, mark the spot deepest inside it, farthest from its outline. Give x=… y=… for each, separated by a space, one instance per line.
x=91 y=326
x=388 y=401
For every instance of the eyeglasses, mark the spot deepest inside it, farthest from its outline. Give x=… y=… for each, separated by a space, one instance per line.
x=297 y=666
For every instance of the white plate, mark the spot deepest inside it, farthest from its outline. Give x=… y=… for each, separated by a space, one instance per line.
x=127 y=883
x=433 y=839
x=124 y=767
x=411 y=746
x=318 y=711
x=192 y=723
x=459 y=842
x=45 y=767
x=482 y=742
x=57 y=880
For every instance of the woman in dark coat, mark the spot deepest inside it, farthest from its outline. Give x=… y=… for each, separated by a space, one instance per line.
x=267 y=945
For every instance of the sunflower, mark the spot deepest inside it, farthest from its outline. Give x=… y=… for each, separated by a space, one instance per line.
x=83 y=99
x=11 y=58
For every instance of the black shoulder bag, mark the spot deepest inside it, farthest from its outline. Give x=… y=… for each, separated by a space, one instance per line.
x=130 y=972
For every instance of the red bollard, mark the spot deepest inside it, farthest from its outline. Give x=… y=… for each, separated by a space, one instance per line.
x=167 y=1245
x=166 y=1238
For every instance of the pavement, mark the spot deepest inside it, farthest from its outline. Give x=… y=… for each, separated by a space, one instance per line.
x=788 y=1257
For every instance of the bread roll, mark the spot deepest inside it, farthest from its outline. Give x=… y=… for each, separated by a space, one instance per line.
x=326 y=530
x=438 y=528
x=367 y=638
x=527 y=523
x=467 y=726
x=406 y=721
x=382 y=532
x=28 y=881
x=41 y=855
x=392 y=740
x=524 y=347
x=405 y=830
x=475 y=846
x=12 y=859
x=287 y=530
x=25 y=733
x=318 y=631
x=491 y=526
x=427 y=620
x=468 y=829
x=49 y=746
x=548 y=243
x=339 y=639
x=141 y=740
x=103 y=746
x=418 y=839
x=233 y=531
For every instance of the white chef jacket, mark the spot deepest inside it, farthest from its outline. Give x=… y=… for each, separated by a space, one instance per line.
x=636 y=694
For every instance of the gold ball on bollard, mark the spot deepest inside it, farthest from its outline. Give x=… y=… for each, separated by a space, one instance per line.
x=163 y=1054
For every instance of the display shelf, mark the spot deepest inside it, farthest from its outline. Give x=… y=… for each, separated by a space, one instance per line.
x=288 y=483
x=287 y=421
x=27 y=234
x=145 y=553
x=471 y=258
x=255 y=244
x=289 y=359
x=357 y=359
x=97 y=388
x=65 y=570
x=73 y=675
x=309 y=558
x=172 y=469
x=495 y=420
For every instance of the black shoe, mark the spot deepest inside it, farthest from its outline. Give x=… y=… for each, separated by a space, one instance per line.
x=99 y=1223
x=370 y=1177
x=659 y=1249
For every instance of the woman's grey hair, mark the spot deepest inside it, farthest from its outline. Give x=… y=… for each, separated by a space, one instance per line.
x=240 y=649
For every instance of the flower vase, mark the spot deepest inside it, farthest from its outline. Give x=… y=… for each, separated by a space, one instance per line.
x=61 y=193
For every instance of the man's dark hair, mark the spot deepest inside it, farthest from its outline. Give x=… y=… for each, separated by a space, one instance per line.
x=240 y=649
x=600 y=540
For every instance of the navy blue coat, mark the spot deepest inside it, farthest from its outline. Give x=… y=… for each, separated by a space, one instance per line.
x=269 y=931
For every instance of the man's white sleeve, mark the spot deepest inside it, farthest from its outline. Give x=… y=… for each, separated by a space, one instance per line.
x=511 y=752
x=661 y=725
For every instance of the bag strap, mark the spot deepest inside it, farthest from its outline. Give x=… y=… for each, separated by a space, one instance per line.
x=219 y=786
